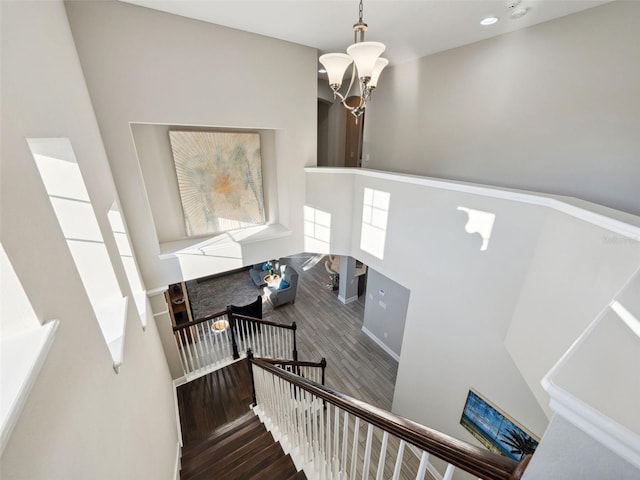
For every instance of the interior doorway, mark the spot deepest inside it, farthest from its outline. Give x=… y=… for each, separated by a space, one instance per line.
x=323 y=133
x=354 y=127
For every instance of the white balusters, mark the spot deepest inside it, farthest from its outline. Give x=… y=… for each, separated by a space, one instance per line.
x=326 y=439
x=335 y=461
x=345 y=438
x=206 y=345
x=322 y=454
x=398 y=467
x=448 y=474
x=367 y=453
x=354 y=450
x=422 y=469
x=383 y=455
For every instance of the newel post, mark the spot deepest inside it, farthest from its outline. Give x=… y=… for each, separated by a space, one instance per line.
x=253 y=383
x=323 y=365
x=519 y=471
x=234 y=333
x=294 y=327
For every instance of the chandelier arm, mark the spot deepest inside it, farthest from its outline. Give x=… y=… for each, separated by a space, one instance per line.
x=343 y=100
x=353 y=76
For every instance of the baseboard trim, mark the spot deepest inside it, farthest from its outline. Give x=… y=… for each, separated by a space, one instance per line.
x=177 y=409
x=180 y=381
x=178 y=466
x=391 y=353
x=347 y=300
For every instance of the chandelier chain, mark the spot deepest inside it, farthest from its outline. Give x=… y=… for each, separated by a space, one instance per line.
x=360 y=8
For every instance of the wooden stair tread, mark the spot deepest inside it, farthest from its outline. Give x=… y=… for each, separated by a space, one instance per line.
x=231 y=439
x=227 y=459
x=298 y=476
x=282 y=467
x=250 y=448
x=256 y=463
x=224 y=430
x=239 y=450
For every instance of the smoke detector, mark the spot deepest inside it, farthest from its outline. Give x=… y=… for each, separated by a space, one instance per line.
x=519 y=12
x=512 y=3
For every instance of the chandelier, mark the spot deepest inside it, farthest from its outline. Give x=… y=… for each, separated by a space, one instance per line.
x=367 y=66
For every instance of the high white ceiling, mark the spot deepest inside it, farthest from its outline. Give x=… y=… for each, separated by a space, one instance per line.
x=409 y=28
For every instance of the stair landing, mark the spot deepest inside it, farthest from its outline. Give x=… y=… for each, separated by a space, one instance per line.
x=223 y=439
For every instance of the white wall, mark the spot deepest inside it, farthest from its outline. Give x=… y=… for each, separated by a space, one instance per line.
x=566 y=452
x=496 y=319
x=462 y=299
x=145 y=66
x=550 y=108
x=81 y=419
x=336 y=125
x=576 y=269
x=385 y=310
x=328 y=194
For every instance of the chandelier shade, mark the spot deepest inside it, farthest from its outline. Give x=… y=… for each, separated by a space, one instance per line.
x=364 y=55
x=335 y=64
x=377 y=70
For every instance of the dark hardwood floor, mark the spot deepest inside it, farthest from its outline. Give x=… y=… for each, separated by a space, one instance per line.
x=356 y=365
x=239 y=450
x=213 y=400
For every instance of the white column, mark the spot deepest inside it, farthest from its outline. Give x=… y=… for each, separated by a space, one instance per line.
x=348 y=287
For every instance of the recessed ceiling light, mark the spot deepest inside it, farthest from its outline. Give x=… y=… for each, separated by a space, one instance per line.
x=488 y=21
x=322 y=70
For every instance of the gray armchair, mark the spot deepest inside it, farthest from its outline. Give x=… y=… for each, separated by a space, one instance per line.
x=277 y=295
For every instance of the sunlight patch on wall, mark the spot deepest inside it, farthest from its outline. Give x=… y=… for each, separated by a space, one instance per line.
x=375 y=213
x=70 y=200
x=481 y=223
x=128 y=261
x=317 y=230
x=16 y=313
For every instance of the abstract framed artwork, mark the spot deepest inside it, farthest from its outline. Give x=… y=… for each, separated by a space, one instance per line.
x=495 y=429
x=220 y=180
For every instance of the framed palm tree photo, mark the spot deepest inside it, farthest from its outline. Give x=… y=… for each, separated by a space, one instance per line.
x=495 y=429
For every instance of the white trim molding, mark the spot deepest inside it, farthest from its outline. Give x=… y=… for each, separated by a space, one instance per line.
x=595 y=424
x=23 y=356
x=204 y=245
x=582 y=412
x=381 y=344
x=621 y=223
x=347 y=300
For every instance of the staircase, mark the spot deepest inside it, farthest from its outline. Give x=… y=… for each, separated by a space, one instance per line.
x=318 y=429
x=240 y=450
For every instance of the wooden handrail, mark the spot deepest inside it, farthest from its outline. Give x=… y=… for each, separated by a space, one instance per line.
x=296 y=363
x=299 y=363
x=266 y=322
x=475 y=460
x=182 y=326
